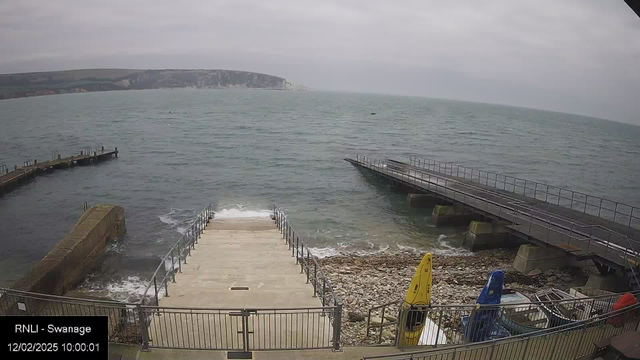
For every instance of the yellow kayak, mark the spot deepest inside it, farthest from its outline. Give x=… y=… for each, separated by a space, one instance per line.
x=418 y=297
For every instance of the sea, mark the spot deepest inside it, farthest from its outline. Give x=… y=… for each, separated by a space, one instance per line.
x=242 y=151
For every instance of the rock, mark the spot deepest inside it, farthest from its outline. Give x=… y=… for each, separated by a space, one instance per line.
x=387 y=334
x=549 y=272
x=356 y=317
x=534 y=272
x=390 y=318
x=350 y=299
x=375 y=320
x=551 y=279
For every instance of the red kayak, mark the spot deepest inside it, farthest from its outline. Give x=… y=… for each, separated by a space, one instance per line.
x=624 y=301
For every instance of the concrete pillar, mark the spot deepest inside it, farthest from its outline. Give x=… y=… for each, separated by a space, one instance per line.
x=486 y=235
x=423 y=200
x=610 y=282
x=534 y=257
x=452 y=215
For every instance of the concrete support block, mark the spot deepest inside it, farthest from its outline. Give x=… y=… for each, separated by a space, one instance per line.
x=486 y=235
x=423 y=200
x=444 y=215
x=534 y=257
x=611 y=282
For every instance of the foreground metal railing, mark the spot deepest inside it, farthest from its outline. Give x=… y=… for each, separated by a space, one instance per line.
x=241 y=330
x=589 y=239
x=454 y=324
x=309 y=266
x=590 y=204
x=175 y=258
x=124 y=319
x=570 y=341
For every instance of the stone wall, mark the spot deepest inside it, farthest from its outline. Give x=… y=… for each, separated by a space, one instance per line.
x=77 y=253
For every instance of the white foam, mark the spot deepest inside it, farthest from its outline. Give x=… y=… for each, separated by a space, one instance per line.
x=130 y=289
x=166 y=218
x=181 y=230
x=325 y=252
x=407 y=248
x=450 y=250
x=174 y=223
x=169 y=261
x=127 y=288
x=238 y=214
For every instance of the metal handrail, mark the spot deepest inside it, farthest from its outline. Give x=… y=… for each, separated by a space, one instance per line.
x=583 y=324
x=66 y=299
x=574 y=303
x=492 y=179
x=183 y=246
x=298 y=248
x=635 y=254
x=509 y=212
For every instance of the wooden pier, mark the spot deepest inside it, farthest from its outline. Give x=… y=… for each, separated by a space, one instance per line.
x=10 y=180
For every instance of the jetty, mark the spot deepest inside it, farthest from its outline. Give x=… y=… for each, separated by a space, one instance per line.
x=557 y=223
x=11 y=179
x=241 y=285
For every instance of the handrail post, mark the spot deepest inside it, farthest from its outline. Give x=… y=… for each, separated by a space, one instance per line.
x=155 y=287
x=315 y=278
x=324 y=289
x=337 y=324
x=402 y=320
x=308 y=256
x=302 y=259
x=173 y=266
x=439 y=324
x=188 y=251
x=144 y=330
x=166 y=287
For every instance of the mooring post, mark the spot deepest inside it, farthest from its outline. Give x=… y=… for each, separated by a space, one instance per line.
x=116 y=151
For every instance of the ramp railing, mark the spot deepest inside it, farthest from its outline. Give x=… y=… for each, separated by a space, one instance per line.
x=174 y=259
x=309 y=266
x=590 y=204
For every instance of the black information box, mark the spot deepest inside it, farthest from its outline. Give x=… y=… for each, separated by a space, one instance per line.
x=54 y=337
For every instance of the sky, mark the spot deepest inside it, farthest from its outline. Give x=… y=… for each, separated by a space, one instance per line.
x=576 y=56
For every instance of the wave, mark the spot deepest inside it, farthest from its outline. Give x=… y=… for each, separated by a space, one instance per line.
x=448 y=250
x=239 y=213
x=177 y=219
x=129 y=289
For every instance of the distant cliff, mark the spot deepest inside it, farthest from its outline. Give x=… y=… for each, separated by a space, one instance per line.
x=62 y=82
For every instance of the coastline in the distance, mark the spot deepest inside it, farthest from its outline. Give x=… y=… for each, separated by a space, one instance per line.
x=88 y=80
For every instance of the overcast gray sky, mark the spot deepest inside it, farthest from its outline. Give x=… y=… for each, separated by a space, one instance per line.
x=577 y=56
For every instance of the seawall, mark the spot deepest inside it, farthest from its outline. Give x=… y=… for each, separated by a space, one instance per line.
x=77 y=253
